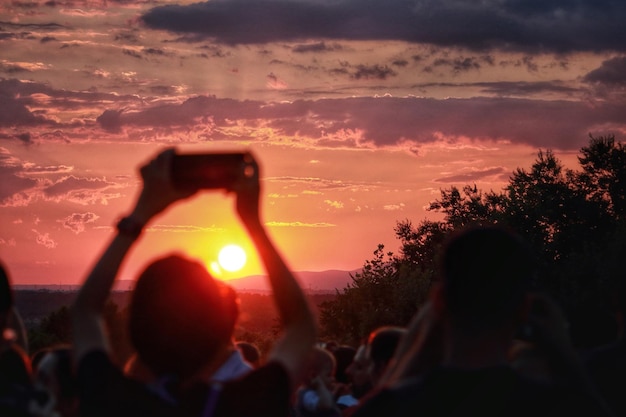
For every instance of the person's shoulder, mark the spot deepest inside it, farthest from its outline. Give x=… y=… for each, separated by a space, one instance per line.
x=262 y=392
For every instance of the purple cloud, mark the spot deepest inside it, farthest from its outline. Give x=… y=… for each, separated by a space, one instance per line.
x=550 y=25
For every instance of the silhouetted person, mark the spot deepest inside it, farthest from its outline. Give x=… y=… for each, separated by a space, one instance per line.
x=381 y=346
x=315 y=397
x=54 y=373
x=458 y=364
x=343 y=358
x=607 y=364
x=181 y=324
x=18 y=396
x=360 y=374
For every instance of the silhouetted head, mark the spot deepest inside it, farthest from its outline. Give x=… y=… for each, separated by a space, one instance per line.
x=359 y=372
x=322 y=365
x=486 y=274
x=6 y=292
x=382 y=345
x=343 y=356
x=180 y=317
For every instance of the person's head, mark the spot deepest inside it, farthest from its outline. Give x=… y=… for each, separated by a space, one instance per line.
x=179 y=316
x=359 y=372
x=250 y=353
x=344 y=355
x=486 y=272
x=6 y=297
x=382 y=345
x=322 y=366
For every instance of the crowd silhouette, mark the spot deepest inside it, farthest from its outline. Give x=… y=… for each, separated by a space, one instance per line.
x=483 y=345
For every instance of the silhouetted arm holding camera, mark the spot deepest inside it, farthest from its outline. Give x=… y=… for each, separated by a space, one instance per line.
x=300 y=332
x=156 y=195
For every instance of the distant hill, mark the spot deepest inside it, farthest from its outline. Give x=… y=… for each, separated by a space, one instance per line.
x=313 y=282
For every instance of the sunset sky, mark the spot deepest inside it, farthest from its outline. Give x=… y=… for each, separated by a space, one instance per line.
x=359 y=111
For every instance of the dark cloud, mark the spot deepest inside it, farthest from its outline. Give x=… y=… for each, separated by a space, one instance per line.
x=47 y=39
x=16 y=113
x=611 y=73
x=316 y=47
x=12 y=68
x=458 y=64
x=32 y=26
x=16 y=98
x=126 y=37
x=133 y=54
x=522 y=88
x=378 y=72
x=111 y=120
x=25 y=138
x=389 y=121
x=400 y=63
x=215 y=52
x=550 y=25
x=163 y=90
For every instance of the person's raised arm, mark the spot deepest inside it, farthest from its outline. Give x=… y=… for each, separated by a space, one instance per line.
x=299 y=327
x=156 y=195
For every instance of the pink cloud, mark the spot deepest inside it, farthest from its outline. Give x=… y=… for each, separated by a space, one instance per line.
x=76 y=221
x=45 y=240
x=72 y=184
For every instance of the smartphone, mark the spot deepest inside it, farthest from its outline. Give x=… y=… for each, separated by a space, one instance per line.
x=219 y=170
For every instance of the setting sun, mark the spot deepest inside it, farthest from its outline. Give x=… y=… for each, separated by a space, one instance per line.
x=232 y=258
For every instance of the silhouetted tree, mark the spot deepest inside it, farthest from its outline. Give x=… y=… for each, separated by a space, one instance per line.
x=574 y=220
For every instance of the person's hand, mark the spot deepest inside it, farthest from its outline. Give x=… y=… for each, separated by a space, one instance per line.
x=158 y=191
x=248 y=192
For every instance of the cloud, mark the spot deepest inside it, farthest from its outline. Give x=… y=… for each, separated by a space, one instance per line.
x=14 y=188
x=15 y=112
x=18 y=99
x=393 y=207
x=71 y=184
x=183 y=228
x=44 y=239
x=551 y=25
x=522 y=88
x=458 y=64
x=611 y=73
x=76 y=222
x=334 y=204
x=377 y=72
x=298 y=224
x=366 y=122
x=8 y=242
x=316 y=47
x=473 y=175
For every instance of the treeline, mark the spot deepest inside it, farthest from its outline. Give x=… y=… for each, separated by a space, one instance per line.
x=575 y=221
x=47 y=318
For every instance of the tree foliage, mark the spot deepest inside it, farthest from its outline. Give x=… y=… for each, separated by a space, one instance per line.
x=574 y=220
